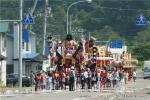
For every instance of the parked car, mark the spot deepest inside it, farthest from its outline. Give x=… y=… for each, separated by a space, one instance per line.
x=13 y=80
x=146 y=69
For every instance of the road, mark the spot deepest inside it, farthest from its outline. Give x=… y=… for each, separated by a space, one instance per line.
x=136 y=91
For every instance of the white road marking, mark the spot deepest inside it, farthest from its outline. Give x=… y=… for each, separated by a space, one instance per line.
x=83 y=98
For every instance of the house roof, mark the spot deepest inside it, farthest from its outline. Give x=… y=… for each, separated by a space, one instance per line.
x=29 y=55
x=33 y=56
x=40 y=57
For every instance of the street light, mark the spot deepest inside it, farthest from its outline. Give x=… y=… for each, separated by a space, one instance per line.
x=74 y=3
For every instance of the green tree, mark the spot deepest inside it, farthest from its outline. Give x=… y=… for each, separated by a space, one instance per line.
x=142 y=51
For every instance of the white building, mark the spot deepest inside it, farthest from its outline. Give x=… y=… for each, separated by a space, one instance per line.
x=116 y=48
x=31 y=61
x=116 y=52
x=3 y=30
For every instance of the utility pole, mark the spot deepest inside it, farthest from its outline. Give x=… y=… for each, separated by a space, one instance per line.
x=45 y=25
x=20 y=45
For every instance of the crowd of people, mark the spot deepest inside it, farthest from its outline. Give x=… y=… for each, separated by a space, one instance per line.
x=86 y=79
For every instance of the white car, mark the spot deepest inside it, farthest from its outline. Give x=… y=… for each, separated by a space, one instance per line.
x=146 y=69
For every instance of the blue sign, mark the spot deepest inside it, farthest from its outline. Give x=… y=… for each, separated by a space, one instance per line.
x=27 y=19
x=116 y=44
x=141 y=20
x=25 y=35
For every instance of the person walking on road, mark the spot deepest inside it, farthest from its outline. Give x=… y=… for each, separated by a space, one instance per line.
x=134 y=76
x=44 y=79
x=126 y=76
x=32 y=78
x=71 y=80
x=114 y=78
x=38 y=81
x=49 y=87
x=103 y=79
x=82 y=80
x=89 y=79
x=98 y=80
x=86 y=78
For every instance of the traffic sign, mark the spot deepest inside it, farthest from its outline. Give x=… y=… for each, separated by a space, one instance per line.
x=116 y=44
x=27 y=19
x=141 y=20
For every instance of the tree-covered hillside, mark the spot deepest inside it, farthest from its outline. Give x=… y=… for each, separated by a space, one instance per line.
x=104 y=19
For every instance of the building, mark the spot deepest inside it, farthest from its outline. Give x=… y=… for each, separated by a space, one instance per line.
x=103 y=58
x=3 y=30
x=31 y=60
x=122 y=58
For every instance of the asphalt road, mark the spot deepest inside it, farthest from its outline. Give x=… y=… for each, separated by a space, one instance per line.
x=136 y=91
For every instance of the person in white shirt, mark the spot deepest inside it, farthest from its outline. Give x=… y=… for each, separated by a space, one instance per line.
x=134 y=76
x=60 y=48
x=86 y=74
x=72 y=79
x=86 y=78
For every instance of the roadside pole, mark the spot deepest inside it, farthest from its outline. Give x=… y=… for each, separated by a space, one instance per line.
x=20 y=46
x=45 y=25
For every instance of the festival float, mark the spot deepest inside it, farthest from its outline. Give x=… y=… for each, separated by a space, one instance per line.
x=68 y=53
x=70 y=47
x=80 y=55
x=104 y=58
